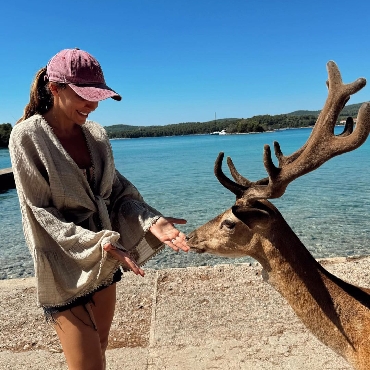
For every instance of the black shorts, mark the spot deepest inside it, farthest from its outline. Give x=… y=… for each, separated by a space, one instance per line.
x=80 y=301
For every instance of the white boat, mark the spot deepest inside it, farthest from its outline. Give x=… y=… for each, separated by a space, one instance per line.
x=222 y=132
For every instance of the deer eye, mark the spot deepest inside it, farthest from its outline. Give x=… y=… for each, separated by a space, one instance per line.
x=227 y=223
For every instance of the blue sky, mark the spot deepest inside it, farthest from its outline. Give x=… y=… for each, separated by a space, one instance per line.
x=183 y=61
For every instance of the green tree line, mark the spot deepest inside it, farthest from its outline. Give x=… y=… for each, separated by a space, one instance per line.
x=231 y=125
x=5 y=130
x=262 y=123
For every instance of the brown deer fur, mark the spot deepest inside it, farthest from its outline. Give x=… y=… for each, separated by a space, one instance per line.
x=336 y=312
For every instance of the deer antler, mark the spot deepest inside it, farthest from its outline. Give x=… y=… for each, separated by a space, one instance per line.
x=319 y=148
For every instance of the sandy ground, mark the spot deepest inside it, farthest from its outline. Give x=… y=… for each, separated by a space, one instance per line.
x=223 y=317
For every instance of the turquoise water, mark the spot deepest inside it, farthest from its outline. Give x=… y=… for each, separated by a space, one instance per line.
x=328 y=208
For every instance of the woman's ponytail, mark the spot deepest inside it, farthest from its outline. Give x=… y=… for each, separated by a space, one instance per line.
x=41 y=99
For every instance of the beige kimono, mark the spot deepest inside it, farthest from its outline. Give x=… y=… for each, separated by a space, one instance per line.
x=67 y=221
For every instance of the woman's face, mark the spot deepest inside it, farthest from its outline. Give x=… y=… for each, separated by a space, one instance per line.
x=70 y=107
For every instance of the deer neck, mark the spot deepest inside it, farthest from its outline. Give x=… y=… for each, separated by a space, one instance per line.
x=282 y=254
x=324 y=303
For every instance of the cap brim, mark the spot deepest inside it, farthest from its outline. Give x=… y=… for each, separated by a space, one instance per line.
x=95 y=92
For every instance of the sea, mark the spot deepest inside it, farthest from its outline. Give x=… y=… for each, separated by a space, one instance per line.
x=329 y=208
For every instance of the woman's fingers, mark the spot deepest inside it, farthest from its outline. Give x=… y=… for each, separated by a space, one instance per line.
x=179 y=242
x=165 y=231
x=133 y=266
x=174 y=220
x=125 y=258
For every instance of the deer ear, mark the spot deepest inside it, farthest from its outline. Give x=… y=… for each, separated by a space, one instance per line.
x=251 y=216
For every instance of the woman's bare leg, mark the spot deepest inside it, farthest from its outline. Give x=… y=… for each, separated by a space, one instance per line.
x=103 y=310
x=83 y=331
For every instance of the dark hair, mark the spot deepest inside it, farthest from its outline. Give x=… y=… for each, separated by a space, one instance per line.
x=41 y=99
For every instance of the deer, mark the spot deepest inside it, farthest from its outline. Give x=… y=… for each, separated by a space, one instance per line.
x=335 y=311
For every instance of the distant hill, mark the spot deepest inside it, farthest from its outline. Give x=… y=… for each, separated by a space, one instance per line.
x=304 y=113
x=299 y=118
x=349 y=110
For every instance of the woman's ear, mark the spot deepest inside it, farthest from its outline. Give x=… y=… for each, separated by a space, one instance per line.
x=53 y=89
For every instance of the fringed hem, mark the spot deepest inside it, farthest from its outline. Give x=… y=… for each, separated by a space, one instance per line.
x=82 y=299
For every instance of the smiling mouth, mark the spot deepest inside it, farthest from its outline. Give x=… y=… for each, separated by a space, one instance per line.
x=83 y=114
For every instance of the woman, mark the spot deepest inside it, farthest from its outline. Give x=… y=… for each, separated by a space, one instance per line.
x=82 y=219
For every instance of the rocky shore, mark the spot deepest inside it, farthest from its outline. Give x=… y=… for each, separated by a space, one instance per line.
x=221 y=317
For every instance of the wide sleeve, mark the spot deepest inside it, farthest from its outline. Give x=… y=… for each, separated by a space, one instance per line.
x=66 y=256
x=32 y=182
x=132 y=218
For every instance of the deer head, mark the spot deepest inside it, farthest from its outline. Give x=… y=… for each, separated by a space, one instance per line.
x=253 y=220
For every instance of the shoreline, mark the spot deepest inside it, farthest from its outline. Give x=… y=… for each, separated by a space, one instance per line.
x=225 y=261
x=219 y=317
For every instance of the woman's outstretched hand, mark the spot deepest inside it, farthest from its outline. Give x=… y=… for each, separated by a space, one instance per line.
x=166 y=232
x=125 y=258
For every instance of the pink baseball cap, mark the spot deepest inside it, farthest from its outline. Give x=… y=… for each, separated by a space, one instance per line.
x=82 y=72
